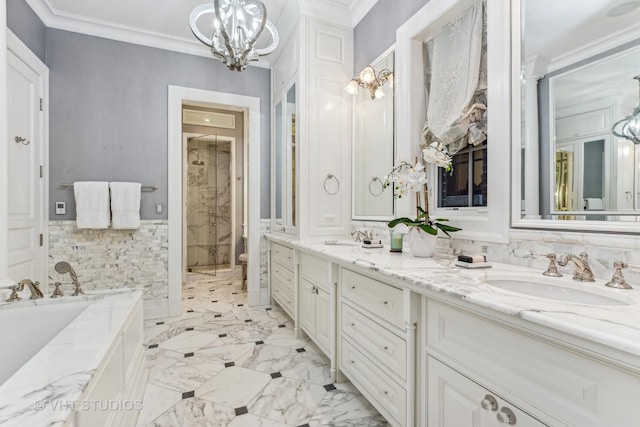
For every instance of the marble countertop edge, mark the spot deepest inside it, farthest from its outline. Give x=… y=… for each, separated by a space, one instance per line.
x=616 y=327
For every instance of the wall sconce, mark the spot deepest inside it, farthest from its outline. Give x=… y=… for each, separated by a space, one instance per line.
x=367 y=78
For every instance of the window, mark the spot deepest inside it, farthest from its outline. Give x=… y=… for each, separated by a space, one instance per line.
x=457 y=190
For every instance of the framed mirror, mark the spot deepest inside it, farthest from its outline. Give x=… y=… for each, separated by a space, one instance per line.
x=373 y=147
x=575 y=64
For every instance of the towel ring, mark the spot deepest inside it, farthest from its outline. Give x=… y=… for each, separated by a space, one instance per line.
x=331 y=177
x=374 y=179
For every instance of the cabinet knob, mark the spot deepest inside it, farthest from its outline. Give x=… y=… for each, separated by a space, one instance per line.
x=506 y=416
x=386 y=302
x=489 y=403
x=353 y=325
x=386 y=347
x=385 y=392
x=353 y=287
x=353 y=362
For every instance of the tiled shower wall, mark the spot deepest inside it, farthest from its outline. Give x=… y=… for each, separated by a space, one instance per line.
x=208 y=204
x=109 y=259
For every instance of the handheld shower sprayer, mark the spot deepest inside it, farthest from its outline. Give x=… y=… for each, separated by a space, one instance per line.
x=64 y=267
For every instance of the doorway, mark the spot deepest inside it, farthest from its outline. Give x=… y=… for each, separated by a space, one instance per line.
x=250 y=106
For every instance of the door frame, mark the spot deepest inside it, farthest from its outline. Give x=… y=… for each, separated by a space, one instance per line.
x=177 y=96
x=30 y=59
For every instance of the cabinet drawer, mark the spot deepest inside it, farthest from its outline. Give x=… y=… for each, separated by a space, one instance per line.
x=375 y=384
x=283 y=274
x=316 y=270
x=385 y=346
x=574 y=389
x=383 y=300
x=282 y=254
x=284 y=297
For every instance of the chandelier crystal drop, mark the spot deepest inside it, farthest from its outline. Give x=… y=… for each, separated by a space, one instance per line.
x=629 y=127
x=235 y=26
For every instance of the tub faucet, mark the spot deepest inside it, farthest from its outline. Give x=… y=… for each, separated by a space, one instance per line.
x=64 y=267
x=583 y=271
x=34 y=287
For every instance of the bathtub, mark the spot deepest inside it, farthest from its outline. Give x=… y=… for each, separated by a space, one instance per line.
x=72 y=361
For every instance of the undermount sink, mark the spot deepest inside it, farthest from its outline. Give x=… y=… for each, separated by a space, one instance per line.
x=553 y=290
x=342 y=243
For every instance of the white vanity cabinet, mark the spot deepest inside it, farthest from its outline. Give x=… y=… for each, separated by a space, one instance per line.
x=317 y=312
x=377 y=333
x=282 y=278
x=456 y=401
x=545 y=374
x=317 y=307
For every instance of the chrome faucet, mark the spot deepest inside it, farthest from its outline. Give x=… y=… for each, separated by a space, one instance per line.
x=34 y=287
x=362 y=235
x=583 y=271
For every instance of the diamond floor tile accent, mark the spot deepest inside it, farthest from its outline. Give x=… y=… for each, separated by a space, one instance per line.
x=225 y=364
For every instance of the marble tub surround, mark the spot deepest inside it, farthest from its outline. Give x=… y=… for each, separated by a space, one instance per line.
x=615 y=328
x=112 y=259
x=222 y=363
x=49 y=386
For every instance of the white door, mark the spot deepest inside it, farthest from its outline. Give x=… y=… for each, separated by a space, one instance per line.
x=25 y=88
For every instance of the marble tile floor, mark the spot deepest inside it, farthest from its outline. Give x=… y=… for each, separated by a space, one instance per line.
x=224 y=364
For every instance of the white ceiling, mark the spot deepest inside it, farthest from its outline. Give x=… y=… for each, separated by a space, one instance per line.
x=165 y=23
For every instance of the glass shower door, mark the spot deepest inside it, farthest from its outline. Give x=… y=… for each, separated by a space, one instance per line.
x=202 y=206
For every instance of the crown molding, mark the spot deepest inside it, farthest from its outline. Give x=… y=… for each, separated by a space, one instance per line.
x=596 y=47
x=359 y=9
x=108 y=30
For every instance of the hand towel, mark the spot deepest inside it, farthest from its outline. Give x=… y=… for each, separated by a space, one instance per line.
x=92 y=204
x=125 y=205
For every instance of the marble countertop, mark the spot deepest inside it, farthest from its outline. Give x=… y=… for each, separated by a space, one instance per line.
x=46 y=389
x=615 y=326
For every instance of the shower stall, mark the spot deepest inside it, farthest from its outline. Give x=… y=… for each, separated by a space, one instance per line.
x=210 y=224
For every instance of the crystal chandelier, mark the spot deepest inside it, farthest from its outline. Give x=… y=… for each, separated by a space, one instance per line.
x=367 y=78
x=629 y=127
x=235 y=29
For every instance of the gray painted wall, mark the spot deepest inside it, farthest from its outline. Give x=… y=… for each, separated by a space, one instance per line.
x=377 y=30
x=25 y=24
x=108 y=113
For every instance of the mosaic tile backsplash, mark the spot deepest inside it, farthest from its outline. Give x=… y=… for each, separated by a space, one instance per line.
x=110 y=259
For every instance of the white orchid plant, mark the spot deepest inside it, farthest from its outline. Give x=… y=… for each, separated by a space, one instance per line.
x=412 y=178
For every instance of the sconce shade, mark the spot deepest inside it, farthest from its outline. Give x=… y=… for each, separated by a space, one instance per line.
x=367 y=78
x=629 y=127
x=235 y=29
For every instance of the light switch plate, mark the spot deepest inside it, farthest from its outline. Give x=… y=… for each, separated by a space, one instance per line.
x=61 y=208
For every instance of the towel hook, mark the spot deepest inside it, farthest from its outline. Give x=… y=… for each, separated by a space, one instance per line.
x=21 y=140
x=374 y=179
x=331 y=177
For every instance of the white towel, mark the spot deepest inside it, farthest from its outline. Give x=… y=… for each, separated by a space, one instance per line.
x=125 y=205
x=92 y=204
x=593 y=204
